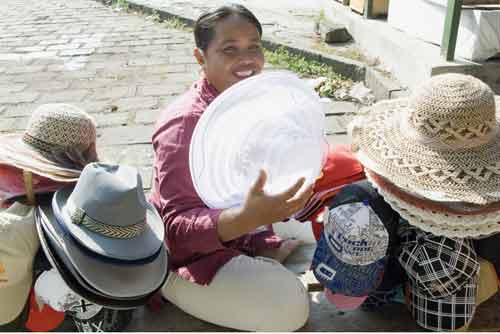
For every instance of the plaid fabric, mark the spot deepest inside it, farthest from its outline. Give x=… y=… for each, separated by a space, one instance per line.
x=437 y=265
x=444 y=314
x=381 y=298
x=343 y=278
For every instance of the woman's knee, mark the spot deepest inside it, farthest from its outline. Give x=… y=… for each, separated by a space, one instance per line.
x=288 y=305
x=251 y=295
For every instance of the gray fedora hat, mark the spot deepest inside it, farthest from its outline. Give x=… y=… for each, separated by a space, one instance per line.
x=75 y=282
x=103 y=277
x=107 y=212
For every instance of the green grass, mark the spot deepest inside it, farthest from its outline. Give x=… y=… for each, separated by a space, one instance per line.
x=121 y=4
x=283 y=59
x=176 y=23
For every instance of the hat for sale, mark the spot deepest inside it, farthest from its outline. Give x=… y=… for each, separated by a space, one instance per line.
x=18 y=246
x=59 y=141
x=437 y=265
x=363 y=191
x=70 y=275
x=443 y=314
x=450 y=219
x=442 y=143
x=275 y=122
x=107 y=213
x=350 y=256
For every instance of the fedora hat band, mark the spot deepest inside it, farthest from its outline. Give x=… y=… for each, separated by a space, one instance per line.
x=80 y=217
x=450 y=138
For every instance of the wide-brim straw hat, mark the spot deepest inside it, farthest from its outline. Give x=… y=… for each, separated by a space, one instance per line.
x=442 y=143
x=59 y=141
x=450 y=219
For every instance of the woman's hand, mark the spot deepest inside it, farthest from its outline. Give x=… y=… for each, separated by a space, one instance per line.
x=261 y=209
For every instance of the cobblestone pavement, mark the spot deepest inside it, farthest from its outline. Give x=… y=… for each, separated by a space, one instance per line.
x=122 y=69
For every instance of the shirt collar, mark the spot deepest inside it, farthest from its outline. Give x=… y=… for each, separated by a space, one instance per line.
x=207 y=91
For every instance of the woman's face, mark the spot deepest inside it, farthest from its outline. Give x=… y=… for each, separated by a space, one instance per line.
x=235 y=53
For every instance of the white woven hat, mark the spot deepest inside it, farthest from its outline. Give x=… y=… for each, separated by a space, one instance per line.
x=59 y=141
x=18 y=246
x=271 y=121
x=449 y=219
x=442 y=143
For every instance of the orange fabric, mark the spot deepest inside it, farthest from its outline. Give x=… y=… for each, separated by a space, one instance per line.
x=43 y=320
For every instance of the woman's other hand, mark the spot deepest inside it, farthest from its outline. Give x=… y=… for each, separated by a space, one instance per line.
x=262 y=209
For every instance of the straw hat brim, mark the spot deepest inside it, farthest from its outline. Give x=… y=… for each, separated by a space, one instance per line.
x=466 y=175
x=14 y=152
x=435 y=218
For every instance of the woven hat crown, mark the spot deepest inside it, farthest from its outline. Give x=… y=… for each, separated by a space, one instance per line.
x=453 y=111
x=60 y=126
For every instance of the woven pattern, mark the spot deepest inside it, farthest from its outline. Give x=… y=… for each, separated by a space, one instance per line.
x=440 y=224
x=438 y=266
x=442 y=143
x=79 y=217
x=58 y=127
x=451 y=109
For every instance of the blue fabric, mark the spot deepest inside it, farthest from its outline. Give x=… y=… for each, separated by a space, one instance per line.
x=343 y=278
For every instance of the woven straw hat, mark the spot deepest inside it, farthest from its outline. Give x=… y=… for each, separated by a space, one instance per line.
x=442 y=143
x=59 y=141
x=449 y=219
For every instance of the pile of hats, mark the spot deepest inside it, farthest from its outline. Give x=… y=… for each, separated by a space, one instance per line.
x=104 y=238
x=356 y=247
x=435 y=159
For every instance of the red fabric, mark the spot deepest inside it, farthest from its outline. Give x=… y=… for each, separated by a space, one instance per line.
x=12 y=183
x=196 y=253
x=341 y=168
x=43 y=320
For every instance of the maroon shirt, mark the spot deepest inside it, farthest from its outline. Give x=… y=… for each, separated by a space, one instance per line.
x=196 y=253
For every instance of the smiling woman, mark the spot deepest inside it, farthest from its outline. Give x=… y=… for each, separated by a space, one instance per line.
x=228 y=45
x=230 y=257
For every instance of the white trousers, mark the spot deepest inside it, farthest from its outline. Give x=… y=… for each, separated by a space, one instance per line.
x=249 y=294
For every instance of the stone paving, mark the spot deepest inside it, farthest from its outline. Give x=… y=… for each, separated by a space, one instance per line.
x=122 y=68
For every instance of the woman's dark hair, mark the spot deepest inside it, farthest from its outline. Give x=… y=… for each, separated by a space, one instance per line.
x=204 y=28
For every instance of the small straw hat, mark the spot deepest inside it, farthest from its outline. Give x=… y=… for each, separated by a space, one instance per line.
x=442 y=143
x=59 y=141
